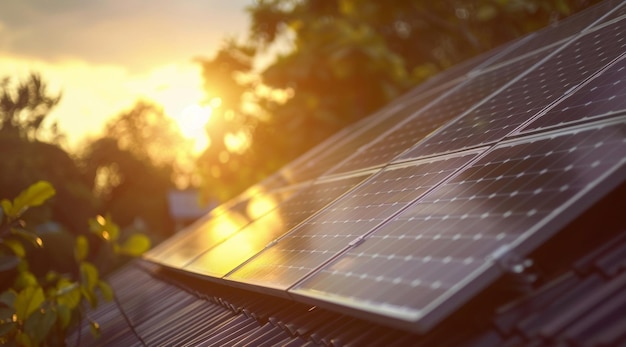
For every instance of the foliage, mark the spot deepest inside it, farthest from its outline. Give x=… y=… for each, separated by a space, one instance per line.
x=38 y=310
x=126 y=172
x=24 y=108
x=338 y=61
x=146 y=132
x=134 y=165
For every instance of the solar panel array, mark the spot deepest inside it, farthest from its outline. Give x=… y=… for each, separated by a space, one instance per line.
x=408 y=214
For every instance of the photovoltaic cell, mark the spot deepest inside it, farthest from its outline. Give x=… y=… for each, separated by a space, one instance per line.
x=604 y=95
x=367 y=133
x=215 y=228
x=435 y=115
x=448 y=245
x=562 y=30
x=217 y=261
x=320 y=238
x=526 y=97
x=616 y=13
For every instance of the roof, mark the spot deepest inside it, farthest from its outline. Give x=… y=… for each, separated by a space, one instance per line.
x=483 y=208
x=577 y=300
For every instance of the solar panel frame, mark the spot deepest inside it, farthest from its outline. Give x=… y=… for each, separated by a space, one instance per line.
x=548 y=223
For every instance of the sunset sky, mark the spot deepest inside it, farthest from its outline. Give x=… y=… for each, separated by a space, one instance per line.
x=105 y=55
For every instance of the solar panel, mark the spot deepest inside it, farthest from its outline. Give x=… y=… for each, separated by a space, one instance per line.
x=370 y=129
x=435 y=114
x=218 y=260
x=320 y=238
x=620 y=10
x=426 y=202
x=561 y=31
x=603 y=96
x=219 y=226
x=523 y=98
x=453 y=241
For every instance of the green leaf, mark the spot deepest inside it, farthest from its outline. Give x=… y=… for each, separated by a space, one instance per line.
x=89 y=275
x=8 y=262
x=25 y=279
x=106 y=290
x=52 y=276
x=16 y=247
x=22 y=339
x=68 y=293
x=64 y=314
x=7 y=207
x=34 y=195
x=81 y=249
x=28 y=236
x=90 y=296
x=135 y=245
x=28 y=301
x=105 y=228
x=38 y=325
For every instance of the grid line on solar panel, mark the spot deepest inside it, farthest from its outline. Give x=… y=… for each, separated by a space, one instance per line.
x=561 y=31
x=602 y=96
x=431 y=257
x=216 y=228
x=617 y=12
x=370 y=132
x=240 y=246
x=432 y=116
x=346 y=221
x=529 y=94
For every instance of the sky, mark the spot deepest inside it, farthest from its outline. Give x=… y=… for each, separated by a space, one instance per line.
x=105 y=55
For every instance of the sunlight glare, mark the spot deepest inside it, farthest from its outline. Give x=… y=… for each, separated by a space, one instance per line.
x=237 y=142
x=192 y=122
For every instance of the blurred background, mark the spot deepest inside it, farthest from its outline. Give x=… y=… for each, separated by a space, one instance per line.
x=156 y=111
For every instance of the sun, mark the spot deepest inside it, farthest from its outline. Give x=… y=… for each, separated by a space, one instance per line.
x=192 y=122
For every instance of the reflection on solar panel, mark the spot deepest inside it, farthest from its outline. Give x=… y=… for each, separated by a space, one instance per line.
x=219 y=260
x=509 y=200
x=222 y=224
x=350 y=218
x=407 y=215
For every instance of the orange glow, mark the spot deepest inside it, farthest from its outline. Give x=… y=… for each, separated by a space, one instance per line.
x=237 y=142
x=192 y=122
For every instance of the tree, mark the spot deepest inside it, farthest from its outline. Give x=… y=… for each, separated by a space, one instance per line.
x=25 y=158
x=342 y=59
x=134 y=165
x=24 y=108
